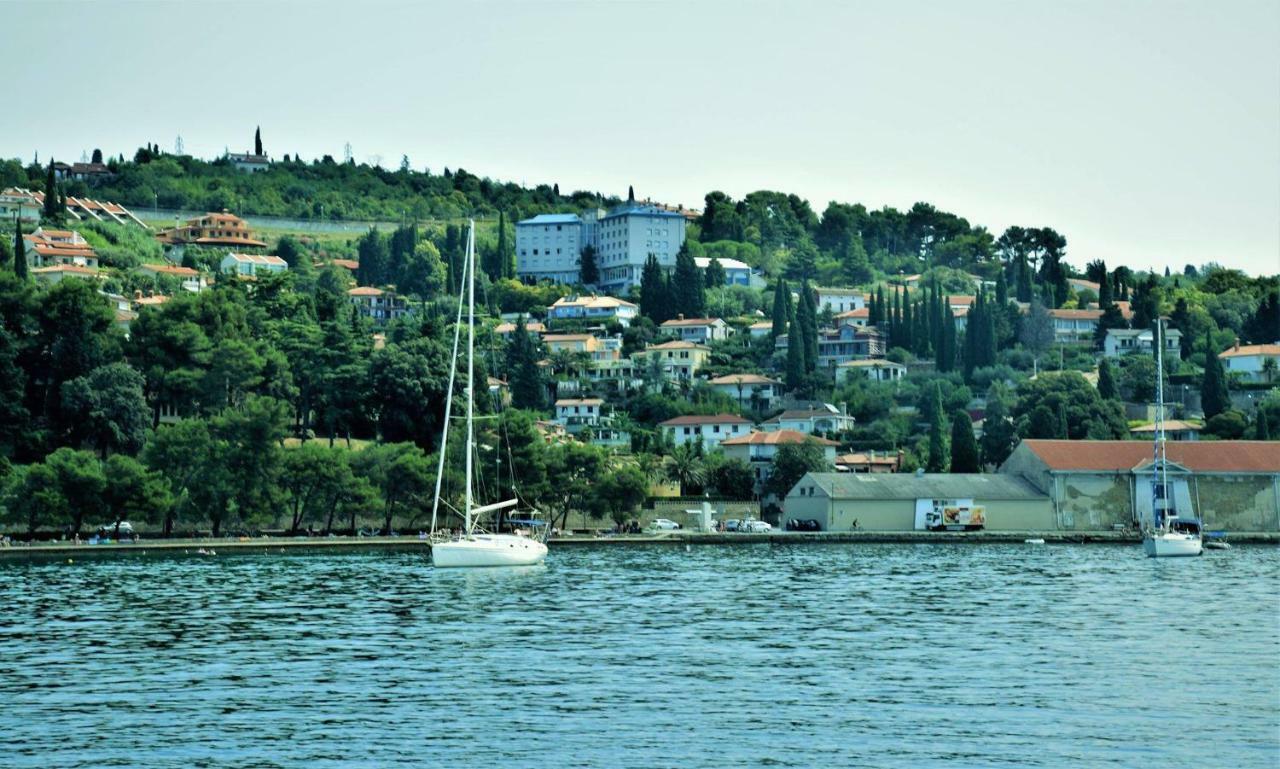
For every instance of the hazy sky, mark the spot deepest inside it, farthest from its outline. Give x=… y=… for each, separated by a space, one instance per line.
x=1148 y=133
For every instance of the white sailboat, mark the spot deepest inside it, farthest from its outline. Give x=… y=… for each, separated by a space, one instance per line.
x=1165 y=538
x=473 y=546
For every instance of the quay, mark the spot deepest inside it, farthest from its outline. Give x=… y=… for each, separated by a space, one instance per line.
x=277 y=545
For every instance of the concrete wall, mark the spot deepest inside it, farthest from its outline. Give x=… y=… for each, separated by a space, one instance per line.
x=900 y=514
x=1093 y=501
x=1239 y=502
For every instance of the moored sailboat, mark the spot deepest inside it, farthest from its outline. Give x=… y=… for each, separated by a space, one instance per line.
x=1168 y=536
x=473 y=546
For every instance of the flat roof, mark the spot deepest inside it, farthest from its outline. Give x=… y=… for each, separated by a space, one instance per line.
x=552 y=219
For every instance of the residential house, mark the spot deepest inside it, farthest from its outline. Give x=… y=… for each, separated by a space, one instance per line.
x=760 y=329
x=840 y=300
x=701 y=330
x=248 y=162
x=750 y=390
x=90 y=172
x=56 y=273
x=710 y=431
x=46 y=248
x=252 y=264
x=875 y=369
x=20 y=203
x=86 y=208
x=533 y=328
x=597 y=308
x=1253 y=362
x=826 y=420
x=680 y=360
x=376 y=304
x=577 y=414
x=191 y=279
x=736 y=273
x=759 y=449
x=1123 y=341
x=1098 y=485
x=1075 y=326
x=843 y=343
x=870 y=462
x=857 y=318
x=215 y=230
x=1174 y=430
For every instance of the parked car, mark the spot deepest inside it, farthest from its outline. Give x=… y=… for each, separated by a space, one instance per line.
x=803 y=524
x=665 y=524
x=756 y=527
x=733 y=524
x=109 y=529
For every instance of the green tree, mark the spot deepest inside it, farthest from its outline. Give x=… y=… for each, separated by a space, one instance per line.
x=1215 y=391
x=309 y=476
x=998 y=431
x=51 y=211
x=686 y=468
x=1037 y=333
x=106 y=408
x=189 y=458
x=795 y=356
x=78 y=477
x=19 y=251
x=1106 y=381
x=1088 y=415
x=781 y=298
x=403 y=476
x=588 y=270
x=257 y=141
x=964 y=447
x=619 y=494
x=688 y=287
x=577 y=468
x=132 y=492
x=655 y=292
x=733 y=478
x=715 y=274
x=792 y=461
x=248 y=443
x=528 y=388
x=937 y=460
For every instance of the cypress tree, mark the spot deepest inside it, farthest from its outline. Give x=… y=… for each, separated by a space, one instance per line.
x=500 y=268
x=257 y=140
x=908 y=338
x=964 y=447
x=1064 y=430
x=50 y=194
x=1002 y=290
x=795 y=356
x=655 y=303
x=19 y=251
x=527 y=390
x=988 y=336
x=807 y=316
x=588 y=269
x=1106 y=381
x=937 y=460
x=1261 y=428
x=687 y=285
x=1215 y=394
x=880 y=306
x=780 y=314
x=1023 y=289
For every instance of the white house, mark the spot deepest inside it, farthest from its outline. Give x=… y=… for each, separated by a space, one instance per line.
x=696 y=329
x=736 y=273
x=856 y=318
x=750 y=390
x=599 y=308
x=876 y=369
x=680 y=360
x=577 y=414
x=627 y=235
x=827 y=419
x=838 y=300
x=376 y=304
x=760 y=329
x=759 y=449
x=711 y=431
x=19 y=202
x=549 y=247
x=252 y=264
x=1251 y=361
x=57 y=272
x=1073 y=326
x=249 y=162
x=1122 y=341
x=45 y=248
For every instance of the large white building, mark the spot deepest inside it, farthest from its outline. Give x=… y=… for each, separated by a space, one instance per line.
x=549 y=246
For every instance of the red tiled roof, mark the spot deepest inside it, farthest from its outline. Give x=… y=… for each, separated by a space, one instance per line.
x=365 y=291
x=170 y=269
x=1251 y=349
x=349 y=264
x=696 y=419
x=863 y=312
x=691 y=322
x=1076 y=314
x=1122 y=456
x=774 y=438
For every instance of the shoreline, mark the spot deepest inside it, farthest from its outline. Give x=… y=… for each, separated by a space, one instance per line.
x=410 y=543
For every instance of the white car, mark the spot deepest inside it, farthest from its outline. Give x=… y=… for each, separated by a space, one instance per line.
x=756 y=527
x=664 y=524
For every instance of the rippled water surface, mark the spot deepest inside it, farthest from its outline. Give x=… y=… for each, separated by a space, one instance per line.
x=718 y=656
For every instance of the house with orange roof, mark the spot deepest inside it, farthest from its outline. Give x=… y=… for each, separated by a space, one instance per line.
x=760 y=449
x=838 y=300
x=1075 y=326
x=597 y=308
x=190 y=279
x=219 y=230
x=856 y=318
x=376 y=304
x=1252 y=362
x=1100 y=485
x=680 y=360
x=46 y=247
x=21 y=203
x=59 y=272
x=700 y=330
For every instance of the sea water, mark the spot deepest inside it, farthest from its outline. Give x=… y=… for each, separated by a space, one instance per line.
x=647 y=656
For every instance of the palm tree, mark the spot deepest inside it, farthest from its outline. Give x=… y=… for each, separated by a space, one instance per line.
x=684 y=466
x=1269 y=368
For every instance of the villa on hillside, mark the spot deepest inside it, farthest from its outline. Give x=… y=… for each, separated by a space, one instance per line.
x=875 y=369
x=378 y=305
x=1253 y=362
x=701 y=330
x=680 y=360
x=1122 y=341
x=1075 y=326
x=749 y=390
x=840 y=300
x=598 y=308
x=827 y=419
x=218 y=230
x=46 y=248
x=736 y=273
x=56 y=273
x=758 y=450
x=191 y=279
x=710 y=430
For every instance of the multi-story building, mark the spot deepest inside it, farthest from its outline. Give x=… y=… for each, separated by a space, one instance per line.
x=842 y=344
x=377 y=304
x=875 y=369
x=222 y=229
x=680 y=360
x=1074 y=326
x=626 y=237
x=549 y=247
x=20 y=203
x=577 y=414
x=736 y=273
x=1122 y=341
x=47 y=248
x=710 y=431
x=598 y=308
x=828 y=419
x=750 y=390
x=838 y=300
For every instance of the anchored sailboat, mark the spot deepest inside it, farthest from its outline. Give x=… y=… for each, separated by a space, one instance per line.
x=473 y=546
x=1167 y=536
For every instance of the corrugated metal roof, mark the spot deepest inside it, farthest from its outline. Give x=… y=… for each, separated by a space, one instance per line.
x=977 y=486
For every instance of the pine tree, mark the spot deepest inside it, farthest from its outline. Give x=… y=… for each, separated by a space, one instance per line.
x=527 y=391
x=97 y=157
x=780 y=315
x=998 y=431
x=19 y=251
x=937 y=460
x=257 y=140
x=964 y=447
x=688 y=286
x=1215 y=394
x=1106 y=381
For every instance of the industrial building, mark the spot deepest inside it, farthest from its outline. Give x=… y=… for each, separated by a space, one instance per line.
x=903 y=502
x=1098 y=485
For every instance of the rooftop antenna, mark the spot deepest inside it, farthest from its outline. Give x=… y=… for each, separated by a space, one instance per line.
x=178 y=147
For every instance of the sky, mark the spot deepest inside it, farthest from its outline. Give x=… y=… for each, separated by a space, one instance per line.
x=1147 y=133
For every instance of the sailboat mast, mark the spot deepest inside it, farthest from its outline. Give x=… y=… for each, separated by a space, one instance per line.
x=448 y=406
x=471 y=362
x=1161 y=466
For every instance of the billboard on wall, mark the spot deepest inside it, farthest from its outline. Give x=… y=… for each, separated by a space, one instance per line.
x=949 y=513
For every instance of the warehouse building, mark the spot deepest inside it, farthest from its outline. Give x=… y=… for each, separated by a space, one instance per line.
x=900 y=502
x=1097 y=485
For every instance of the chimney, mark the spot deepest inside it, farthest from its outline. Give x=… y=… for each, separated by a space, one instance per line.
x=1237 y=344
x=680 y=316
x=137 y=294
x=844 y=408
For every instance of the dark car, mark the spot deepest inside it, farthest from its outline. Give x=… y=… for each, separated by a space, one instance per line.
x=803 y=524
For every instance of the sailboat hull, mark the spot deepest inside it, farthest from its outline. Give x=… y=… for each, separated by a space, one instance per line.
x=483 y=550
x=1172 y=545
